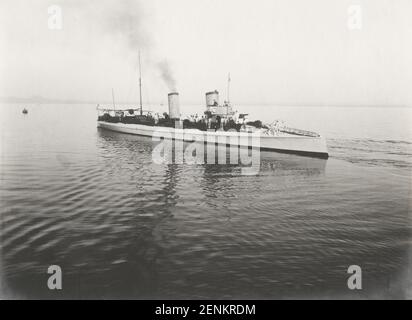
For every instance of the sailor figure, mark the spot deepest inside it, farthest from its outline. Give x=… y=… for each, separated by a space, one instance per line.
x=236 y=117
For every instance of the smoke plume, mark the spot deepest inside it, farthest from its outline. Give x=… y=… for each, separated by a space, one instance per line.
x=167 y=75
x=127 y=20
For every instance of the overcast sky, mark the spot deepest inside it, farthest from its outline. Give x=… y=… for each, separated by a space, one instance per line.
x=281 y=52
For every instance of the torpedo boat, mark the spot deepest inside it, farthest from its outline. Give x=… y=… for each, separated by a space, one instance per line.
x=220 y=124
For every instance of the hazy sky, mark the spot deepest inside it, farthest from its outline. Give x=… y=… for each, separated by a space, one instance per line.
x=278 y=52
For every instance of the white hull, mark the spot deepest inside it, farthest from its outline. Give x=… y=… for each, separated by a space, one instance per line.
x=308 y=146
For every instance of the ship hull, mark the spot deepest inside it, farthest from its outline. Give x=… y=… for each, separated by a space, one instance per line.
x=291 y=144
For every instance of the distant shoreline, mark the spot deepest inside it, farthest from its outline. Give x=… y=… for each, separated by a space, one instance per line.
x=47 y=101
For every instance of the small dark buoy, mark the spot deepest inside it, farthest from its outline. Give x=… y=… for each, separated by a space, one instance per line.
x=25 y=111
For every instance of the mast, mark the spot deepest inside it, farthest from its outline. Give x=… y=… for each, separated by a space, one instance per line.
x=114 y=105
x=140 y=86
x=228 y=88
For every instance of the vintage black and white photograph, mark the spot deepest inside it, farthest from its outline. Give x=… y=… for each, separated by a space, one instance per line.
x=205 y=150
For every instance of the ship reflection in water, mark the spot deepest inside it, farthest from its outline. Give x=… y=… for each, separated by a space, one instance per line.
x=265 y=163
x=121 y=226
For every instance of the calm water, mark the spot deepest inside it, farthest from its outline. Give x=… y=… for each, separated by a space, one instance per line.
x=120 y=226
